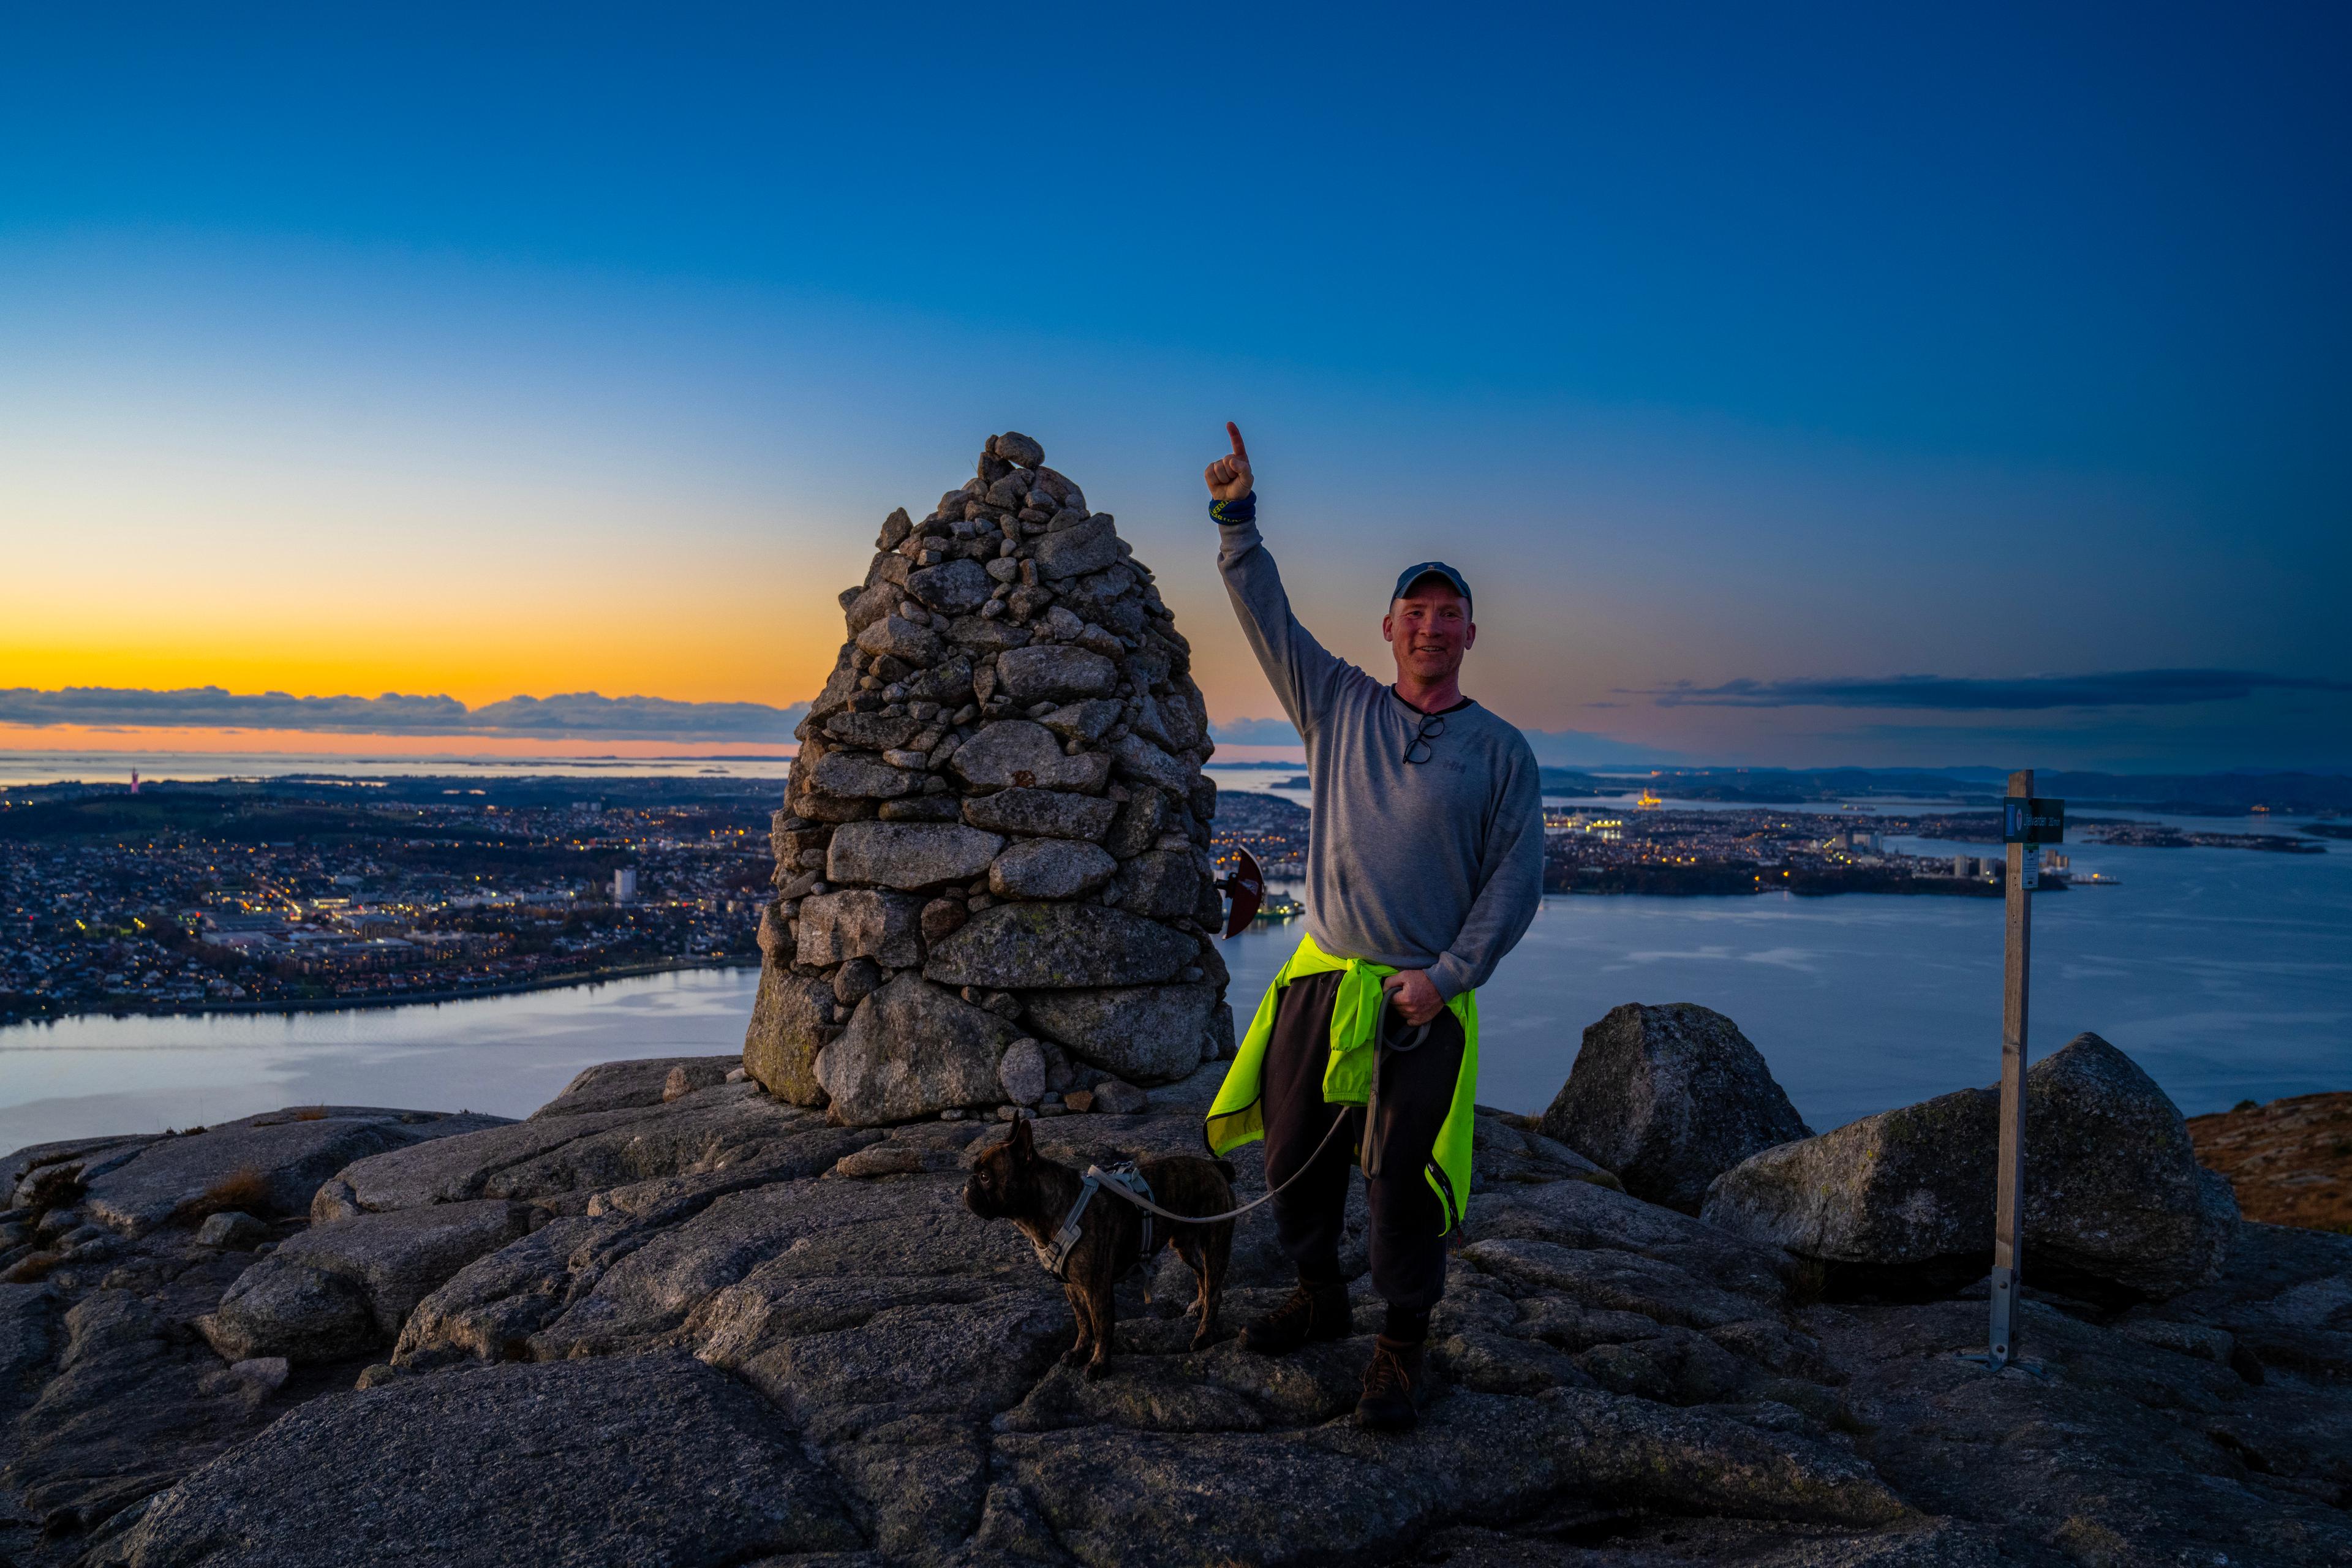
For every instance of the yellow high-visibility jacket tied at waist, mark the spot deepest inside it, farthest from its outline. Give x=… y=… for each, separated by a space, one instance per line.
x=1237 y=1115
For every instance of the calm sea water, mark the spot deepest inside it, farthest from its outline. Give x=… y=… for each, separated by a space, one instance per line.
x=2226 y=973
x=506 y=1055
x=20 y=768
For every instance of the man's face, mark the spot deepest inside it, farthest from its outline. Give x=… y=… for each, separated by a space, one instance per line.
x=1429 y=630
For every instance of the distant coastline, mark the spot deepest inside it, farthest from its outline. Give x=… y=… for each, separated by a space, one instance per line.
x=2219 y=794
x=2180 y=794
x=397 y=999
x=1735 y=881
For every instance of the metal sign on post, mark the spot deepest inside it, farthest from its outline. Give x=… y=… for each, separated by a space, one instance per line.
x=2032 y=823
x=2027 y=824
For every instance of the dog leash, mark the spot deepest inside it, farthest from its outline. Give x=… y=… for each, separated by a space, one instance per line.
x=1124 y=1179
x=1109 y=1182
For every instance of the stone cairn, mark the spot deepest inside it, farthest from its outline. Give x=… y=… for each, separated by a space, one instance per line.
x=994 y=891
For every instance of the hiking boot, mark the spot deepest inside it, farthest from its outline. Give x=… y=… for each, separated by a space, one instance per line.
x=1395 y=1386
x=1313 y=1313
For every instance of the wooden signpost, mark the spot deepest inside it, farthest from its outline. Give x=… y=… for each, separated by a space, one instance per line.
x=2027 y=824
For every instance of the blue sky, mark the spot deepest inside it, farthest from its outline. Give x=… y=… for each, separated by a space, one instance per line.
x=1774 y=355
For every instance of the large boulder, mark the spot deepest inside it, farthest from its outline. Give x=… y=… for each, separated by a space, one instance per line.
x=1908 y=1186
x=1149 y=1034
x=2113 y=1188
x=1020 y=946
x=2113 y=1196
x=652 y=1460
x=1669 y=1097
x=913 y=1049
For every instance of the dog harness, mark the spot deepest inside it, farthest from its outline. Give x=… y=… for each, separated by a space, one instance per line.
x=1124 y=1176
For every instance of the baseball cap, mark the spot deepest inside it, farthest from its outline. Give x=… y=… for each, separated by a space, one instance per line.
x=1413 y=574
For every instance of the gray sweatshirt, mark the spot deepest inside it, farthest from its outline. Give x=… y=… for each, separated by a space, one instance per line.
x=1435 y=865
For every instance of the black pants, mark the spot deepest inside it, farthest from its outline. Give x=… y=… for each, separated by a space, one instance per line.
x=1416 y=1090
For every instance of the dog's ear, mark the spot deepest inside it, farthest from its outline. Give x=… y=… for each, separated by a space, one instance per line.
x=1024 y=1146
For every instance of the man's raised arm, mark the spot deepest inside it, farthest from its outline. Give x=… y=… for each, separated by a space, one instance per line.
x=1305 y=673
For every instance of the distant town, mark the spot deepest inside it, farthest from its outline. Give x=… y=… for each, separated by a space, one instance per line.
x=1646 y=846
x=1273 y=829
x=2323 y=795
x=302 y=893
x=326 y=891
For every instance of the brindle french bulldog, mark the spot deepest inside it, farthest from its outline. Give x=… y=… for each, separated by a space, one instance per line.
x=1013 y=1181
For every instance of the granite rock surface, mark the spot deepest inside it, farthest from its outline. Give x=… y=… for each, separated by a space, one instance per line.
x=718 y=1328
x=1670 y=1097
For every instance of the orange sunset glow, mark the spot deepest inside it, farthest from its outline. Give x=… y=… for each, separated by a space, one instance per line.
x=148 y=740
x=168 y=611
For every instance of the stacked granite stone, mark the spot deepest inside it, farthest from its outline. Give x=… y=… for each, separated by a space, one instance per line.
x=994 y=889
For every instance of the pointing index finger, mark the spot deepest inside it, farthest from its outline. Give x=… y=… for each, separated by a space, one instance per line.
x=1235 y=431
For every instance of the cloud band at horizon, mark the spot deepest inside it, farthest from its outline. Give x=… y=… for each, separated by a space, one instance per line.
x=591 y=716
x=575 y=715
x=2117 y=689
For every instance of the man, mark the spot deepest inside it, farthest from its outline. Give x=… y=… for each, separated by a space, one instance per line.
x=1425 y=867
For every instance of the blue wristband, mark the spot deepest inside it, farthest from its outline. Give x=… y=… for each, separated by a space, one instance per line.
x=1242 y=509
